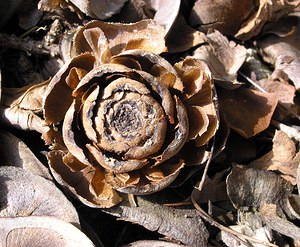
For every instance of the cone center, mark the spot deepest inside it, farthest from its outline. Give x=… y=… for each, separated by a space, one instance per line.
x=127 y=118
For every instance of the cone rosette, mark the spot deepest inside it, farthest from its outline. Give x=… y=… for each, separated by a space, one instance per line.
x=122 y=117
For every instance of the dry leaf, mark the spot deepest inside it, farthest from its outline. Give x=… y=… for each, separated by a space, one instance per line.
x=247 y=111
x=284 y=90
x=249 y=224
x=226 y=16
x=182 y=36
x=268 y=11
x=283 y=52
x=242 y=19
x=223 y=57
x=136 y=10
x=162 y=12
x=26 y=194
x=14 y=152
x=96 y=9
x=250 y=187
x=283 y=157
x=40 y=231
x=152 y=243
x=166 y=12
x=270 y=216
x=184 y=225
x=20 y=107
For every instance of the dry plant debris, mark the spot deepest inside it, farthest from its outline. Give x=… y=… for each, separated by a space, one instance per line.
x=41 y=231
x=181 y=117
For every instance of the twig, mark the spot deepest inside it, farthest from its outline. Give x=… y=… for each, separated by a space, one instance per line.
x=204 y=173
x=27 y=45
x=215 y=101
x=252 y=82
x=236 y=234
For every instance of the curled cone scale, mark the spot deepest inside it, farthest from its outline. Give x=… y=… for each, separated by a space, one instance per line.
x=123 y=115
